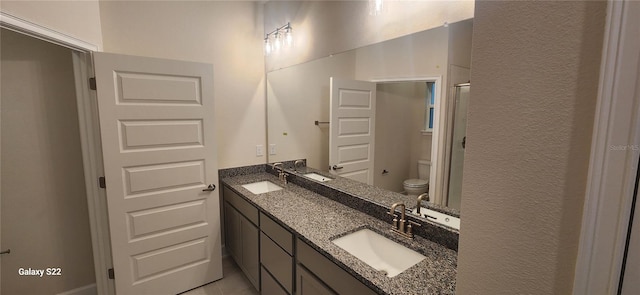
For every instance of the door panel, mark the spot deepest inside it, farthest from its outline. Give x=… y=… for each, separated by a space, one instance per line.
x=166 y=218
x=155 y=88
x=160 y=134
x=352 y=132
x=159 y=152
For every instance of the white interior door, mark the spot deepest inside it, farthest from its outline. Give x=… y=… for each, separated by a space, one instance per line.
x=158 y=140
x=352 y=132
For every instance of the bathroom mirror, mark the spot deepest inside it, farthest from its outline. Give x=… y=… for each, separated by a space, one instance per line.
x=420 y=111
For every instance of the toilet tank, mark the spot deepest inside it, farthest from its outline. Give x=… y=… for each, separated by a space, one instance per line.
x=424 y=168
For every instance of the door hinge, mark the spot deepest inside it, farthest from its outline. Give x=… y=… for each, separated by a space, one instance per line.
x=92 y=83
x=102 y=182
x=112 y=274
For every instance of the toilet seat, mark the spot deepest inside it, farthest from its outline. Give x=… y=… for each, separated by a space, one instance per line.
x=416 y=183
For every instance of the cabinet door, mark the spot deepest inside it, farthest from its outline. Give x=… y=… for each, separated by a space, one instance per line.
x=328 y=272
x=269 y=285
x=308 y=284
x=250 y=251
x=232 y=228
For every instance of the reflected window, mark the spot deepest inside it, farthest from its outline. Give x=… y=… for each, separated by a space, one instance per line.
x=430 y=102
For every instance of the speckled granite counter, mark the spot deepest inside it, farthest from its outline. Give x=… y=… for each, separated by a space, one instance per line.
x=372 y=193
x=373 y=201
x=318 y=220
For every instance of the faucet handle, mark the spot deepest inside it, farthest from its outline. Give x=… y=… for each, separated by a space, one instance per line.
x=395 y=219
x=413 y=222
x=409 y=229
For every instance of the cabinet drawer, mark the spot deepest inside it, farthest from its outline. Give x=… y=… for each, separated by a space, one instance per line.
x=330 y=273
x=277 y=262
x=269 y=285
x=241 y=205
x=277 y=233
x=308 y=284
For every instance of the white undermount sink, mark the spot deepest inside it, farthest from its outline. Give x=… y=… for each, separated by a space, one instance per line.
x=438 y=217
x=262 y=187
x=379 y=252
x=318 y=177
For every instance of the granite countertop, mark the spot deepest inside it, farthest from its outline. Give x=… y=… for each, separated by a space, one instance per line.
x=318 y=220
x=374 y=194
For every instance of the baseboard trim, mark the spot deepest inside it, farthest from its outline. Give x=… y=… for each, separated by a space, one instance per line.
x=85 y=290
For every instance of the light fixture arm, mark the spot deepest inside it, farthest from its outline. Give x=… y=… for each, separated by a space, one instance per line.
x=280 y=33
x=285 y=27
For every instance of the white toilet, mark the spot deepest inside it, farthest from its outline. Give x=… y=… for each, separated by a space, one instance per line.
x=415 y=187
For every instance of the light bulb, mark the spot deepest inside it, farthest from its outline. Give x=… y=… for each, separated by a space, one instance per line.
x=277 y=41
x=288 y=36
x=267 y=46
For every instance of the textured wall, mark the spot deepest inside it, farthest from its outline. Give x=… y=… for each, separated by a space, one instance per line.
x=535 y=68
x=79 y=19
x=45 y=220
x=226 y=34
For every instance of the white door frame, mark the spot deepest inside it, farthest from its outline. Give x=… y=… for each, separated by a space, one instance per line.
x=89 y=137
x=436 y=170
x=614 y=155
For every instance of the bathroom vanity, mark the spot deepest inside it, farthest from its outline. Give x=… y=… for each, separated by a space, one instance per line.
x=283 y=239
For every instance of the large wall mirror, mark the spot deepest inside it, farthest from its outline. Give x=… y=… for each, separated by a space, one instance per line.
x=420 y=92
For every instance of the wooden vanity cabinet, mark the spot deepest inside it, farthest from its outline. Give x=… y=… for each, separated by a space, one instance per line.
x=276 y=257
x=242 y=234
x=274 y=260
x=318 y=275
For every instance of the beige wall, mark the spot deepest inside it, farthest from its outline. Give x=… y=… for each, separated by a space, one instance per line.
x=460 y=39
x=79 y=19
x=423 y=54
x=399 y=120
x=322 y=28
x=45 y=220
x=534 y=84
x=226 y=34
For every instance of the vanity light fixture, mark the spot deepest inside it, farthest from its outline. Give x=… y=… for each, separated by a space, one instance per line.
x=282 y=36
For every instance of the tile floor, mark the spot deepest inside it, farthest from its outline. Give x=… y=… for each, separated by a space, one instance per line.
x=234 y=282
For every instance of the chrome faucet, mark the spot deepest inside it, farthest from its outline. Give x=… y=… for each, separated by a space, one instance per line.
x=423 y=197
x=281 y=175
x=295 y=164
x=400 y=226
